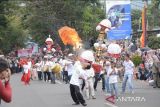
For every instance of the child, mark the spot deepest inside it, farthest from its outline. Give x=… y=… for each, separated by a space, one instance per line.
x=89 y=83
x=113 y=74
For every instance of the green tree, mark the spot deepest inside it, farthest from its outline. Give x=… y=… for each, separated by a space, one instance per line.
x=154 y=42
x=12 y=34
x=136 y=20
x=153 y=14
x=136 y=59
x=46 y=17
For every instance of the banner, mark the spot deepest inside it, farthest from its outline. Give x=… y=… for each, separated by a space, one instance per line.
x=119 y=13
x=24 y=52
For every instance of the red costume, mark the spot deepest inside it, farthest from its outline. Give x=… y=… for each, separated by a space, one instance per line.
x=27 y=74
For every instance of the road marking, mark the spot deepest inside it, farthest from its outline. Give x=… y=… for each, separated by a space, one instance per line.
x=111 y=105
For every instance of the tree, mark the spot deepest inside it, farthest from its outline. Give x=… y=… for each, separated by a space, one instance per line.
x=136 y=59
x=153 y=14
x=12 y=34
x=46 y=17
x=136 y=20
x=154 y=42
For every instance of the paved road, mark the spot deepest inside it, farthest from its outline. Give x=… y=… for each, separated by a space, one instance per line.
x=41 y=94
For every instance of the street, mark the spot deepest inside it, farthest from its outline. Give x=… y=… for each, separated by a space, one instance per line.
x=42 y=94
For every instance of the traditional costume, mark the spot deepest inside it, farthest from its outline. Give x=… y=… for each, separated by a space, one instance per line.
x=26 y=74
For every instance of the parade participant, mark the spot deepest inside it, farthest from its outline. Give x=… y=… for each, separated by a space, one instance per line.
x=102 y=74
x=30 y=65
x=39 y=69
x=46 y=70
x=70 y=65
x=52 y=74
x=5 y=89
x=113 y=74
x=89 y=83
x=65 y=72
x=80 y=66
x=97 y=68
x=26 y=72
x=107 y=68
x=34 y=72
x=128 y=74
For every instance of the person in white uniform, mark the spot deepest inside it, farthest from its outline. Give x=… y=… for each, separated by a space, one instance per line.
x=80 y=68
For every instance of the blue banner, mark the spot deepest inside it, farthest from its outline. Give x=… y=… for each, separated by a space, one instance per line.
x=119 y=13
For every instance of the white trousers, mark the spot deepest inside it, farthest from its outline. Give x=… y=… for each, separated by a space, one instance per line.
x=89 y=88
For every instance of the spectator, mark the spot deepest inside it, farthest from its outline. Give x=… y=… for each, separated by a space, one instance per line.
x=156 y=72
x=113 y=81
x=5 y=90
x=128 y=74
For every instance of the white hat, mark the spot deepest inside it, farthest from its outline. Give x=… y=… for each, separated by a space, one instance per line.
x=87 y=55
x=70 y=54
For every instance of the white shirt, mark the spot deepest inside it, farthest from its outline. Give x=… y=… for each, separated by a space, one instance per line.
x=26 y=68
x=70 y=69
x=102 y=71
x=129 y=67
x=90 y=73
x=78 y=73
x=108 y=69
x=64 y=62
x=39 y=66
x=30 y=64
x=113 y=77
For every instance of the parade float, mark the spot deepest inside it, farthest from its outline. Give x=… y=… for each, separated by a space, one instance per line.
x=113 y=50
x=49 y=47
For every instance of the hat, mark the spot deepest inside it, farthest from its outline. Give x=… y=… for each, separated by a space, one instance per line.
x=70 y=54
x=87 y=55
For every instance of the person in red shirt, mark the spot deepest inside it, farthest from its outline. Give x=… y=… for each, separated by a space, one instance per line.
x=5 y=88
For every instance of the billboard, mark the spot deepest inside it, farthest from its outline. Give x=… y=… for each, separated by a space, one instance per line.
x=119 y=13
